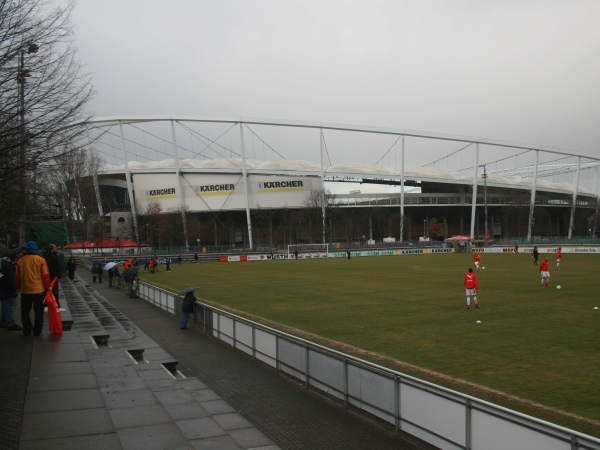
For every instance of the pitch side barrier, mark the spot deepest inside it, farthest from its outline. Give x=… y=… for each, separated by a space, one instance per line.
x=440 y=416
x=335 y=254
x=542 y=250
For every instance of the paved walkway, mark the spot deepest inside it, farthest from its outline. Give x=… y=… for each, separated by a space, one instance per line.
x=127 y=377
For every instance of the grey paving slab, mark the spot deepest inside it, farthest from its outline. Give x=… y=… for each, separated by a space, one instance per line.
x=44 y=425
x=49 y=401
x=104 y=441
x=232 y=421
x=200 y=428
x=129 y=398
x=138 y=416
x=50 y=368
x=189 y=410
x=173 y=396
x=40 y=382
x=153 y=437
x=216 y=442
x=250 y=438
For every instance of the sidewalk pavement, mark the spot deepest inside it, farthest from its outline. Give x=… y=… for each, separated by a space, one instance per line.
x=125 y=376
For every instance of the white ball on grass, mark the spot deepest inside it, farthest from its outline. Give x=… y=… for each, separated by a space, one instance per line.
x=482 y=268
x=558 y=287
x=479 y=321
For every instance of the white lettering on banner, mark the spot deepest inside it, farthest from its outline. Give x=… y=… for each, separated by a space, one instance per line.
x=308 y=255
x=441 y=250
x=280 y=186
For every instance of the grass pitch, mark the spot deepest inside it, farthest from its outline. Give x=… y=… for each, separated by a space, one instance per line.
x=535 y=350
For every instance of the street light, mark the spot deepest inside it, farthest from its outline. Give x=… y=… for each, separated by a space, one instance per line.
x=487 y=231
x=424 y=228
x=22 y=75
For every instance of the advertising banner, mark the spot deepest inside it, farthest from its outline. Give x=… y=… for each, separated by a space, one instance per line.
x=222 y=192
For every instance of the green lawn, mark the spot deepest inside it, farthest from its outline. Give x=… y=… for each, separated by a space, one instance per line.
x=536 y=344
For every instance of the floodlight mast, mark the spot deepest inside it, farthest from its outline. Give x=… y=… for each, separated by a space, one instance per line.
x=485 y=208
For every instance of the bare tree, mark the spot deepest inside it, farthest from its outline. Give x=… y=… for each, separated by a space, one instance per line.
x=319 y=201
x=42 y=91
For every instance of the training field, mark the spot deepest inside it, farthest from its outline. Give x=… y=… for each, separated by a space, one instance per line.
x=533 y=344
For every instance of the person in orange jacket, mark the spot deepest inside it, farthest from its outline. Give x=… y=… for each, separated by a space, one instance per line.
x=33 y=279
x=471 y=285
x=544 y=272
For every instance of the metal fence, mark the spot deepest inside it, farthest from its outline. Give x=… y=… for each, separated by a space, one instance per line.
x=440 y=416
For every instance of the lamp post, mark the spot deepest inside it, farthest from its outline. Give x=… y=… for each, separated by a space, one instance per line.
x=424 y=228
x=22 y=74
x=487 y=231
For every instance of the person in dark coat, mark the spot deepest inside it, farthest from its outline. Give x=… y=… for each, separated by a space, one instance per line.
x=8 y=292
x=71 y=267
x=187 y=307
x=536 y=254
x=51 y=257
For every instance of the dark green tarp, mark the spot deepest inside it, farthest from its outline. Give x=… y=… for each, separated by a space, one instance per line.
x=46 y=233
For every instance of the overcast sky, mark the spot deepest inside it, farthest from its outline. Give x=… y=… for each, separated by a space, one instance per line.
x=516 y=70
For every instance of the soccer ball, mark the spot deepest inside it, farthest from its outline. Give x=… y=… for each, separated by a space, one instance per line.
x=558 y=287
x=483 y=268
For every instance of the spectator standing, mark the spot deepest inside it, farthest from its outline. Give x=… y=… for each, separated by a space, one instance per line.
x=8 y=292
x=472 y=286
x=348 y=254
x=100 y=272
x=127 y=281
x=168 y=265
x=187 y=307
x=54 y=268
x=296 y=254
x=535 y=254
x=180 y=259
x=111 y=273
x=117 y=276
x=135 y=282
x=71 y=267
x=94 y=272
x=196 y=257
x=544 y=272
x=32 y=279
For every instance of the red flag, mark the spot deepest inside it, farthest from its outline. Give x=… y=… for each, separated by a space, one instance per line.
x=54 y=320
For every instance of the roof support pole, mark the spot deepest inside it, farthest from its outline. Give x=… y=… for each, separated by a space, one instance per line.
x=97 y=191
x=401 y=239
x=129 y=186
x=324 y=198
x=246 y=187
x=474 y=199
x=532 y=201
x=595 y=191
x=179 y=185
x=574 y=202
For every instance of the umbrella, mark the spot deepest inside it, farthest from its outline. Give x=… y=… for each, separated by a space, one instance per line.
x=189 y=289
x=110 y=265
x=131 y=271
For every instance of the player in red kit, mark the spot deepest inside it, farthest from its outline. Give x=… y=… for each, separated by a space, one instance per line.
x=477 y=260
x=544 y=272
x=558 y=258
x=471 y=286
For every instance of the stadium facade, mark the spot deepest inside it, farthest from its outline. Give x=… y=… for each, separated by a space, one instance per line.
x=220 y=195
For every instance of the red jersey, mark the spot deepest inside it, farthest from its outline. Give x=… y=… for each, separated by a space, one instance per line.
x=558 y=254
x=544 y=266
x=471 y=281
x=476 y=258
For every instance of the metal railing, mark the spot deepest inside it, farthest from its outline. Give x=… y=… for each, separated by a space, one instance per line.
x=440 y=416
